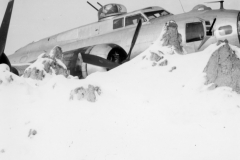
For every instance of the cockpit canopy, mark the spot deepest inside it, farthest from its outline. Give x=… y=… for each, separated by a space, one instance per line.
x=110 y=10
x=200 y=7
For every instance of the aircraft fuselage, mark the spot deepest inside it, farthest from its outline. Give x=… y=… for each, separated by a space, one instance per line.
x=118 y=32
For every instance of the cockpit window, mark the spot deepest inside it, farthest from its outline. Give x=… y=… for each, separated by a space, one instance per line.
x=225 y=30
x=130 y=20
x=156 y=14
x=118 y=23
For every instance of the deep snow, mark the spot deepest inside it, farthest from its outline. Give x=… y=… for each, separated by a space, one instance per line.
x=144 y=112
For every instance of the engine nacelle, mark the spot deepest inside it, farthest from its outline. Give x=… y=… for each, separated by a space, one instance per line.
x=111 y=52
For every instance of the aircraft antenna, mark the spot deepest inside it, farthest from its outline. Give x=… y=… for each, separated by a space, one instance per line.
x=221 y=3
x=99 y=4
x=92 y=5
x=181 y=5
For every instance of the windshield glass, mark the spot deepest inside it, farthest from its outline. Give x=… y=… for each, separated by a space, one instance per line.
x=156 y=14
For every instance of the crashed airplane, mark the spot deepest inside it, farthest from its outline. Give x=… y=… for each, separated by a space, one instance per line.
x=119 y=36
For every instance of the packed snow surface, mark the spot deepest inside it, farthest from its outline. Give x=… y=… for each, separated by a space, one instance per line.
x=144 y=112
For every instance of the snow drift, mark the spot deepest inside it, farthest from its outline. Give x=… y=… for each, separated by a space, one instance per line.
x=157 y=106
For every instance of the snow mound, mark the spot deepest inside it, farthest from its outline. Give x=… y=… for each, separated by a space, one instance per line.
x=168 y=43
x=47 y=65
x=6 y=77
x=4 y=68
x=82 y=93
x=170 y=39
x=223 y=68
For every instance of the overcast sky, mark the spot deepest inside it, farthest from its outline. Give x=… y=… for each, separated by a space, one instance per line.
x=33 y=20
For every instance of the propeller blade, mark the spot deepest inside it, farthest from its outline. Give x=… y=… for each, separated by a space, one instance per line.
x=134 y=39
x=5 y=26
x=98 y=61
x=4 y=59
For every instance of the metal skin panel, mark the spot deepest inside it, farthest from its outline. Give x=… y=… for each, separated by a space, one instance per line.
x=223 y=21
x=70 y=35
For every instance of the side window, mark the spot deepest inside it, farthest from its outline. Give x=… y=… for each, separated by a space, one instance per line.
x=194 y=31
x=133 y=19
x=208 y=27
x=117 y=23
x=225 y=30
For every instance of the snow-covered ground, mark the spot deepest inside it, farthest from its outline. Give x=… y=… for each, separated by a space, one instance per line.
x=144 y=112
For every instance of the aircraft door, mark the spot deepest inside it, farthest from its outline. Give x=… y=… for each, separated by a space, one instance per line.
x=194 y=34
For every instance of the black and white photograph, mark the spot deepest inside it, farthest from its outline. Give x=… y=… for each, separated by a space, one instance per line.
x=119 y=80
